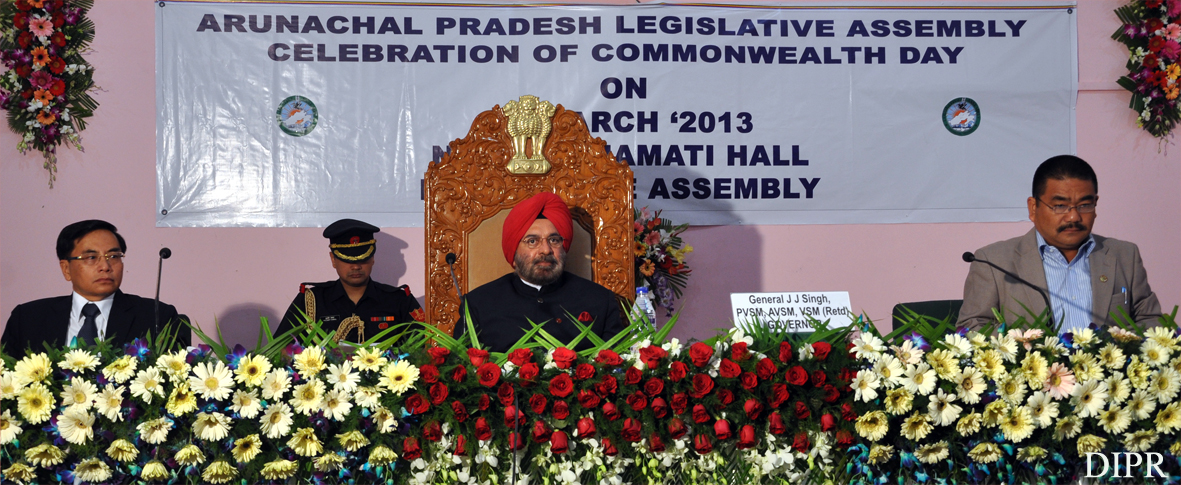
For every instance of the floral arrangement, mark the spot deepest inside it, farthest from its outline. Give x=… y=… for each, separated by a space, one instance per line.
x=45 y=88
x=1017 y=406
x=660 y=257
x=1152 y=31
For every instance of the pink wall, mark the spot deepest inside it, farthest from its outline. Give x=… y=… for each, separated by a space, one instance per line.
x=234 y=275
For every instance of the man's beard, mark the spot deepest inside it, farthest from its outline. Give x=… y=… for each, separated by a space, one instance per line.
x=531 y=272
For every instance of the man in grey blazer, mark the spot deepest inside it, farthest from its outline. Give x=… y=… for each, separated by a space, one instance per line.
x=1087 y=277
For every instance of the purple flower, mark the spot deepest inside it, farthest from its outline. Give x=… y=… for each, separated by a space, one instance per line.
x=918 y=341
x=136 y=347
x=236 y=356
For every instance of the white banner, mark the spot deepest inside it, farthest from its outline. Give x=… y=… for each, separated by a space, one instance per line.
x=284 y=114
x=791 y=311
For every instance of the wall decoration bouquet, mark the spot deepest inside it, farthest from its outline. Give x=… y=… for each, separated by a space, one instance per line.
x=660 y=257
x=1152 y=31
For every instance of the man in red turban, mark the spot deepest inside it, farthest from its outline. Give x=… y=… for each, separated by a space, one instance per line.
x=536 y=236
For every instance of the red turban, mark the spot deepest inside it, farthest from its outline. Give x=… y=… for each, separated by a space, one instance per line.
x=522 y=216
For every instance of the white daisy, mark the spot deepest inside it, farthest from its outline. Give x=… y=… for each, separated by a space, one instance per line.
x=367 y=397
x=907 y=353
x=246 y=404
x=890 y=370
x=943 y=411
x=277 y=383
x=920 y=379
x=1141 y=405
x=1042 y=409
x=869 y=347
x=10 y=427
x=970 y=385
x=76 y=426
x=110 y=403
x=336 y=405
x=175 y=365
x=79 y=394
x=307 y=397
x=155 y=431
x=342 y=377
x=1164 y=384
x=957 y=344
x=865 y=385
x=211 y=426
x=212 y=380
x=1089 y=398
x=276 y=421
x=148 y=383
x=78 y=360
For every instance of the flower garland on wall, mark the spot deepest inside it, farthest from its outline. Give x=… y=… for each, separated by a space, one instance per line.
x=660 y=257
x=1152 y=31
x=45 y=89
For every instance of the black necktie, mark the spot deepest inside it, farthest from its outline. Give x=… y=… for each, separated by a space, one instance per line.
x=90 y=326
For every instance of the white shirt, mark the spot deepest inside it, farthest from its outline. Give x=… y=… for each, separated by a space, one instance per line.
x=77 y=319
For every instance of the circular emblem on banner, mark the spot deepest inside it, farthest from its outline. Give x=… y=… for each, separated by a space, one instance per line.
x=961 y=116
x=297 y=116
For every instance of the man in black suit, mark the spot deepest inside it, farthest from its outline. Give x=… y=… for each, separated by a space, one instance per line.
x=91 y=257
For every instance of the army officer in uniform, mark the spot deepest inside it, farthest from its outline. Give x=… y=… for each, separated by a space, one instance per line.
x=354 y=305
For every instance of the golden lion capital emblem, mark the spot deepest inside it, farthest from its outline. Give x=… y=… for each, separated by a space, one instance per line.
x=529 y=123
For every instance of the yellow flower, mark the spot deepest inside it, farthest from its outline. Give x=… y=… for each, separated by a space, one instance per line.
x=1042 y=409
x=122 y=450
x=1139 y=441
x=276 y=421
x=944 y=363
x=245 y=449
x=1138 y=373
x=1067 y=428
x=93 y=470
x=1111 y=357
x=1142 y=405
x=190 y=455
x=1154 y=354
x=148 y=384
x=369 y=359
x=990 y=363
x=1115 y=419
x=155 y=431
x=35 y=403
x=182 y=401
x=212 y=426
x=969 y=424
x=278 y=470
x=307 y=397
x=1161 y=335
x=342 y=377
x=641 y=249
x=1090 y=443
x=1031 y=454
x=898 y=401
x=932 y=453
x=20 y=473
x=873 y=425
x=917 y=427
x=1085 y=367
x=969 y=385
x=1173 y=71
x=1118 y=388
x=212 y=381
x=1035 y=370
x=329 y=462
x=110 y=403
x=353 y=440
x=32 y=368
x=1164 y=384
x=381 y=456
x=276 y=384
x=305 y=442
x=76 y=426
x=310 y=361
x=336 y=405
x=1017 y=425
x=154 y=471
x=399 y=377
x=879 y=454
x=252 y=370
x=246 y=404
x=1011 y=389
x=985 y=453
x=121 y=369
x=994 y=412
x=8 y=386
x=78 y=394
x=78 y=360
x=175 y=365
x=219 y=471
x=10 y=427
x=44 y=455
x=1169 y=418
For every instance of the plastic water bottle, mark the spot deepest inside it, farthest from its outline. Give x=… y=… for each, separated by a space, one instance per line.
x=644 y=304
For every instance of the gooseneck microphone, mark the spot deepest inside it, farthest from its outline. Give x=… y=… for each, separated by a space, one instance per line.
x=969 y=257
x=165 y=253
x=451 y=264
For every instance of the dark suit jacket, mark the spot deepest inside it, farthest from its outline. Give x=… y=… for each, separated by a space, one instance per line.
x=48 y=320
x=1115 y=265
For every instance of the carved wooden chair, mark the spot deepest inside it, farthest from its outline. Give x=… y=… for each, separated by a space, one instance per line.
x=471 y=190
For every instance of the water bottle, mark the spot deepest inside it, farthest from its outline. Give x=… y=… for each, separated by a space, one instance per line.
x=644 y=304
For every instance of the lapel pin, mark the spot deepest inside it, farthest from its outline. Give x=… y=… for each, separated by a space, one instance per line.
x=1103 y=278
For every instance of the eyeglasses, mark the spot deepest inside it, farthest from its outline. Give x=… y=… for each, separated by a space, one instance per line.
x=1084 y=208
x=93 y=259
x=532 y=242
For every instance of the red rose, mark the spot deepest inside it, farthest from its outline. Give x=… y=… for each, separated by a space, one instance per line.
x=847 y=413
x=766 y=369
x=637 y=401
x=818 y=378
x=729 y=369
x=512 y=417
x=586 y=428
x=587 y=399
x=610 y=411
x=459 y=410
x=659 y=407
x=537 y=403
x=460 y=446
x=609 y=447
x=700 y=415
x=560 y=410
x=485 y=401
x=483 y=430
x=607 y=385
x=528 y=372
x=609 y=358
x=651 y=355
x=785 y=352
x=700 y=354
x=584 y=372
x=777 y=426
x=820 y=350
x=738 y=352
x=541 y=432
x=831 y=394
x=802 y=411
x=680 y=402
x=489 y=374
x=654 y=386
x=477 y=356
x=849 y=350
x=429 y=373
x=515 y=442
x=677 y=428
x=459 y=374
x=801 y=443
x=722 y=429
x=702 y=385
x=846 y=375
x=677 y=371
x=561 y=386
x=844 y=438
x=752 y=408
x=438 y=354
x=557 y=442
x=746 y=438
x=432 y=431
x=749 y=381
x=416 y=404
x=410 y=449
x=702 y=444
x=726 y=397
x=564 y=357
x=632 y=376
x=655 y=444
x=779 y=395
x=827 y=422
x=631 y=429
x=521 y=357
x=797 y=376
x=439 y=393
x=57 y=65
x=584 y=317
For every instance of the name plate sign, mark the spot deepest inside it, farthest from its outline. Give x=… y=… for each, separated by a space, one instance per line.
x=791 y=311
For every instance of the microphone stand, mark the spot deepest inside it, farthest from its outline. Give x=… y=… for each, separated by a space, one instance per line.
x=165 y=253
x=969 y=257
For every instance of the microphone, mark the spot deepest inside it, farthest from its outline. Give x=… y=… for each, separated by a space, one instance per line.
x=969 y=257
x=451 y=264
x=165 y=253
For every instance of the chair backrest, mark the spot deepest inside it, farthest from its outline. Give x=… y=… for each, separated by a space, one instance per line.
x=935 y=309
x=470 y=191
